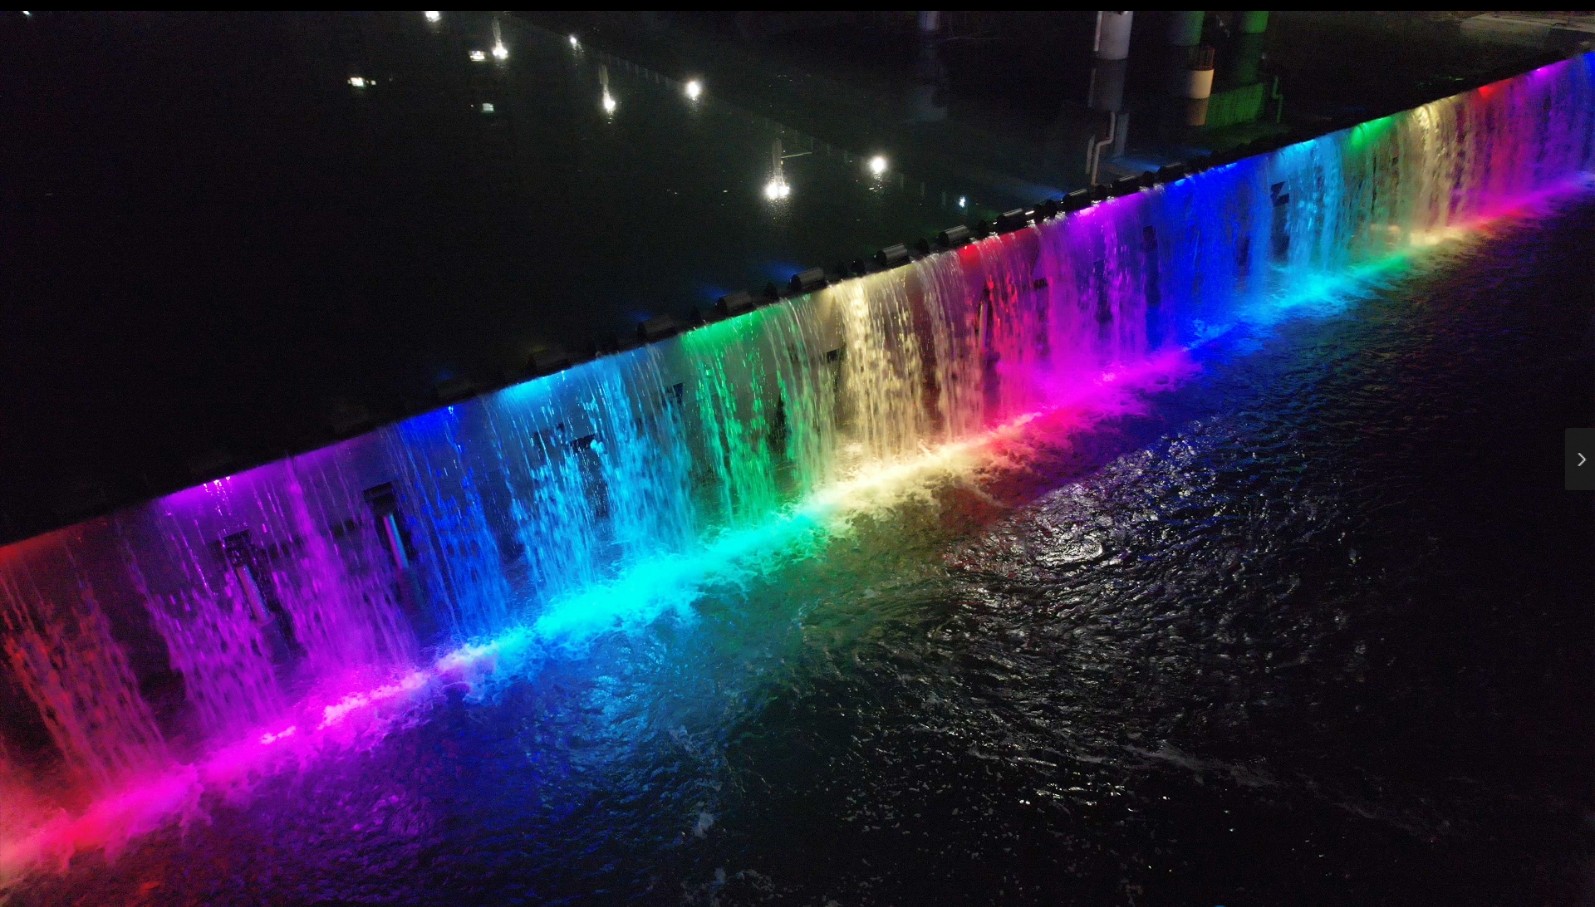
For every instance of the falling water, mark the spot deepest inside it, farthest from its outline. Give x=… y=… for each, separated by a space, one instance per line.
x=60 y=647
x=151 y=636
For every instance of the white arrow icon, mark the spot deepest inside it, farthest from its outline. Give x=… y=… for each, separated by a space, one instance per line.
x=1580 y=458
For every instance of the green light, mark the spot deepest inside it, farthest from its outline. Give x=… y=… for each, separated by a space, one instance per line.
x=1364 y=134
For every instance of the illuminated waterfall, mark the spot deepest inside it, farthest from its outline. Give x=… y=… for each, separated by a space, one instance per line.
x=154 y=636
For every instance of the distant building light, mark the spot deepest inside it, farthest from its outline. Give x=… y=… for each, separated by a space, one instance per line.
x=433 y=15
x=358 y=81
x=877 y=165
x=694 y=89
x=500 y=52
x=963 y=202
x=487 y=107
x=477 y=56
x=574 y=42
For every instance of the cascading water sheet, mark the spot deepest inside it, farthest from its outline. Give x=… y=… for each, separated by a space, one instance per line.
x=393 y=561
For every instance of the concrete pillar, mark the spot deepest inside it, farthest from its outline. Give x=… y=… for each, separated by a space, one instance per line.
x=1185 y=27
x=1113 y=34
x=1198 y=83
x=1244 y=55
x=1107 y=85
x=1195 y=80
x=1111 y=51
x=1184 y=34
x=1244 y=59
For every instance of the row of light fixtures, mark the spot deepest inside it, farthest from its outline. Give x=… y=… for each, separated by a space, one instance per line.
x=775 y=190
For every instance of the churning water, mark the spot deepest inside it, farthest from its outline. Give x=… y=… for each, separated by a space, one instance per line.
x=907 y=591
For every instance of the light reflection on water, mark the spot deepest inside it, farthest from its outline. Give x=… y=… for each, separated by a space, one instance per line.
x=1263 y=642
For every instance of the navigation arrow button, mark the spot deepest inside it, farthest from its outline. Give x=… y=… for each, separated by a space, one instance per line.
x=1578 y=472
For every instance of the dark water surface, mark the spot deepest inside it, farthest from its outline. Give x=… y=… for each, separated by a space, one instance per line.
x=1315 y=630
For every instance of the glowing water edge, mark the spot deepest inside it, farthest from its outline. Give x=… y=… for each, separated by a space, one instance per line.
x=185 y=649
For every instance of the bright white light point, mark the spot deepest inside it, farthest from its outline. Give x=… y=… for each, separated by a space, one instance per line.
x=500 y=52
x=487 y=107
x=963 y=202
x=694 y=89
x=574 y=42
x=877 y=165
x=609 y=103
x=477 y=56
x=357 y=81
x=433 y=15
x=777 y=189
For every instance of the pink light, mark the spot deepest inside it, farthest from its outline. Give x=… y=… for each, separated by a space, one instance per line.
x=335 y=713
x=269 y=739
x=359 y=717
x=145 y=804
x=341 y=722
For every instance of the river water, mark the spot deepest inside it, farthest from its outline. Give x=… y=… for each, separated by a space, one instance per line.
x=1312 y=627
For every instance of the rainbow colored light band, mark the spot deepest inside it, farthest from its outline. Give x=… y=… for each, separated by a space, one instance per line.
x=506 y=527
